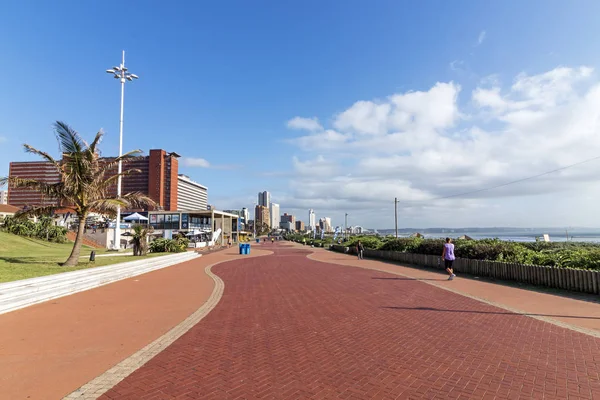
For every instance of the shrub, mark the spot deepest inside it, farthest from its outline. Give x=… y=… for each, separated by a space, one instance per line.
x=369 y=242
x=43 y=229
x=162 y=245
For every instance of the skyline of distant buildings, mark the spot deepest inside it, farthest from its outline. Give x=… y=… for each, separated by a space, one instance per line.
x=268 y=212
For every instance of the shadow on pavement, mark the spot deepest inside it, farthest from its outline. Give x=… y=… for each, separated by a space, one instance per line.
x=587 y=297
x=410 y=279
x=487 y=312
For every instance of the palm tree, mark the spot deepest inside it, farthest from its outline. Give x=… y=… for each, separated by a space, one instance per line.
x=140 y=239
x=84 y=184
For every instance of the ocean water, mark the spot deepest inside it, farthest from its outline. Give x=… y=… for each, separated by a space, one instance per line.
x=520 y=236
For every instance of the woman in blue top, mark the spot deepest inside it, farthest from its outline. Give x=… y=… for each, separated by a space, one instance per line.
x=448 y=256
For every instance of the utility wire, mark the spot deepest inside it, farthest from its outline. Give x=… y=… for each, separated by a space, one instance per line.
x=516 y=181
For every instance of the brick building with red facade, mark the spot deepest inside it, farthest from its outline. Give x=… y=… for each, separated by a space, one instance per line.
x=158 y=179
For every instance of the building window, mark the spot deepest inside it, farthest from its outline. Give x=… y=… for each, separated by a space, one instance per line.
x=164 y=221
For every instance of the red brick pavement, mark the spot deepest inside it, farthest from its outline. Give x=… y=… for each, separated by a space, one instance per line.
x=289 y=328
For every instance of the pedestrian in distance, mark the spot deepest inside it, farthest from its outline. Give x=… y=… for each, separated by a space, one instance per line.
x=359 y=250
x=448 y=257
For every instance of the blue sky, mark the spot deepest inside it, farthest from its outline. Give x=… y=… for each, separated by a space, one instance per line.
x=221 y=81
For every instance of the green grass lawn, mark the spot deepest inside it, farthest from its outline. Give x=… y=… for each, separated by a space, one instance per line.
x=22 y=258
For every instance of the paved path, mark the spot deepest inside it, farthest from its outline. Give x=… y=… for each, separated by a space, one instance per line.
x=288 y=327
x=50 y=349
x=575 y=310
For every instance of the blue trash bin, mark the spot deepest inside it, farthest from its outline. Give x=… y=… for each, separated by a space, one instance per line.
x=241 y=248
x=248 y=248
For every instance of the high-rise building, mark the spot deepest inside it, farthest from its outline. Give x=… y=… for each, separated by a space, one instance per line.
x=274 y=212
x=3 y=197
x=264 y=199
x=311 y=219
x=325 y=224
x=300 y=226
x=245 y=215
x=158 y=178
x=191 y=195
x=357 y=230
x=39 y=170
x=288 y=226
x=288 y=218
x=261 y=216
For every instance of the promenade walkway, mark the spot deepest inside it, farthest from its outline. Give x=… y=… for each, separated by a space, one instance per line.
x=307 y=323
x=50 y=349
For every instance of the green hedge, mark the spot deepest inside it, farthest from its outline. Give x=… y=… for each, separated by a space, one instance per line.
x=558 y=254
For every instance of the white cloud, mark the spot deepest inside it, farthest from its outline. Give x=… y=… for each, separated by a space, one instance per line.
x=435 y=108
x=318 y=167
x=328 y=139
x=481 y=37
x=364 y=117
x=307 y=124
x=457 y=65
x=3 y=139
x=420 y=145
x=195 y=162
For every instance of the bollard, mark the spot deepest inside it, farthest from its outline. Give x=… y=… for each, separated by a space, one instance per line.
x=93 y=255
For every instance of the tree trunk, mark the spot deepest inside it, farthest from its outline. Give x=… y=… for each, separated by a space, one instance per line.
x=74 y=257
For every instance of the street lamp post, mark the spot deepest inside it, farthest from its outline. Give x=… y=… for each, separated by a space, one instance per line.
x=346 y=226
x=396 y=214
x=123 y=75
x=254 y=224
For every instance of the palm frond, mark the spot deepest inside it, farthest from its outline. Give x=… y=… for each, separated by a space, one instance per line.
x=128 y=200
x=138 y=200
x=130 y=156
x=53 y=190
x=35 y=212
x=47 y=157
x=109 y=205
x=68 y=139
x=107 y=165
x=93 y=146
x=103 y=183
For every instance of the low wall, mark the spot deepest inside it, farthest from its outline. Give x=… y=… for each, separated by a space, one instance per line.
x=560 y=278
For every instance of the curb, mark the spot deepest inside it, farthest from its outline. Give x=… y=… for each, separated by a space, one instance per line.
x=103 y=383
x=27 y=292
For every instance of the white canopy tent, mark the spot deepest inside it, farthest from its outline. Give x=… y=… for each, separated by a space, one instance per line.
x=135 y=217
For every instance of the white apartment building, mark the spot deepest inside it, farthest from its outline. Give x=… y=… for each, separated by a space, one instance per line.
x=312 y=222
x=3 y=197
x=357 y=230
x=275 y=216
x=191 y=195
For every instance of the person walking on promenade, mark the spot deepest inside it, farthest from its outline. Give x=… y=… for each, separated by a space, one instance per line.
x=359 y=250
x=448 y=257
